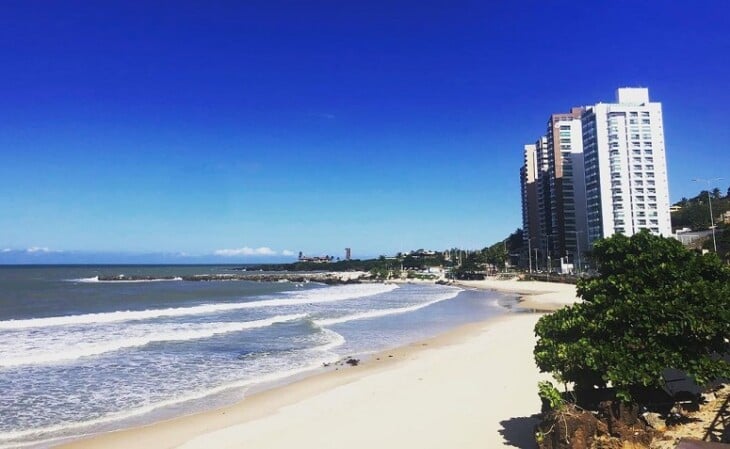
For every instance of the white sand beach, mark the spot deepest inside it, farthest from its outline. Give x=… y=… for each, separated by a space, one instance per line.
x=542 y=296
x=473 y=387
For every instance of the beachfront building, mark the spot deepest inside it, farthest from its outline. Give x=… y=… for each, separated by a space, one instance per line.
x=625 y=166
x=544 y=217
x=528 y=184
x=599 y=170
x=553 y=193
x=567 y=186
x=536 y=217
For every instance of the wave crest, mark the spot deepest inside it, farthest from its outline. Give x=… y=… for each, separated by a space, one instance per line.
x=91 y=349
x=313 y=296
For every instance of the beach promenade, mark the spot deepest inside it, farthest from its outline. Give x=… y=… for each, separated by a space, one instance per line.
x=473 y=387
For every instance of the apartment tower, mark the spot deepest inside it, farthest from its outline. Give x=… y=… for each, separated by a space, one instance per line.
x=528 y=184
x=625 y=166
x=567 y=185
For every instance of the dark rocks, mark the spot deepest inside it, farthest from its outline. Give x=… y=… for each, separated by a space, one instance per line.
x=323 y=278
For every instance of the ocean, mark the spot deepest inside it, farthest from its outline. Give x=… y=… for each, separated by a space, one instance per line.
x=80 y=356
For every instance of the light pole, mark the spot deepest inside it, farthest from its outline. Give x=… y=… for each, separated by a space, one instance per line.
x=529 y=253
x=547 y=256
x=709 y=202
x=577 y=253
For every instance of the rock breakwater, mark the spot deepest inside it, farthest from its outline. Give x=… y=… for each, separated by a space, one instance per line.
x=324 y=278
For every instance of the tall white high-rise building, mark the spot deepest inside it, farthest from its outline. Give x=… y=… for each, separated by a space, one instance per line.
x=599 y=170
x=625 y=166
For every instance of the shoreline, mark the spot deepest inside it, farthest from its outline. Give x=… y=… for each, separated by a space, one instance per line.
x=536 y=296
x=294 y=407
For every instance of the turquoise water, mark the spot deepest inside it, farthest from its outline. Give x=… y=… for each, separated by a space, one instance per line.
x=79 y=356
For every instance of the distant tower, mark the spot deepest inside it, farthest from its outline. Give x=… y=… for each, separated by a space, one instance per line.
x=348 y=253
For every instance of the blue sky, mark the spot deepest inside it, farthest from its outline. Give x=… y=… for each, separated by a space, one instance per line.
x=142 y=132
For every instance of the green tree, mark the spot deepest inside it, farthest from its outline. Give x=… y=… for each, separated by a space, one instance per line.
x=654 y=305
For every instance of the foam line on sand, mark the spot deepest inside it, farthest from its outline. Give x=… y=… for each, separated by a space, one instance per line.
x=473 y=387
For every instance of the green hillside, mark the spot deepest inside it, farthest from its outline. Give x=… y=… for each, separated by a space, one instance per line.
x=694 y=213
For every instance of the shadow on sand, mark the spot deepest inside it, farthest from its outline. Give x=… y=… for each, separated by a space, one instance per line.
x=520 y=432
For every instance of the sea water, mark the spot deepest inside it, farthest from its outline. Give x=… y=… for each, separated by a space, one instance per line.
x=80 y=356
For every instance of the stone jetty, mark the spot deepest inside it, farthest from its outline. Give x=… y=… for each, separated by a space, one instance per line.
x=324 y=278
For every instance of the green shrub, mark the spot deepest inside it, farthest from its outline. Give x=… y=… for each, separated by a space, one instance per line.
x=654 y=305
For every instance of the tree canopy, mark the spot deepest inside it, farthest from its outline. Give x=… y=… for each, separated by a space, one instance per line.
x=654 y=305
x=694 y=213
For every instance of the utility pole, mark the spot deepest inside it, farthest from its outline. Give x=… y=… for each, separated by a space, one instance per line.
x=709 y=202
x=547 y=256
x=577 y=254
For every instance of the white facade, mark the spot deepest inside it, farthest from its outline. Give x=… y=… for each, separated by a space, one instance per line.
x=625 y=166
x=543 y=192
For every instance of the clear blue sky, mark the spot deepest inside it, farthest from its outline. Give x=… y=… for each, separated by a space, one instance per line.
x=191 y=127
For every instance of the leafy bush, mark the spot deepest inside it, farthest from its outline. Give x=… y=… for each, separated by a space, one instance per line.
x=550 y=395
x=654 y=305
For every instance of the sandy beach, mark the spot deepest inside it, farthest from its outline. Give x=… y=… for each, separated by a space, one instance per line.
x=473 y=387
x=534 y=295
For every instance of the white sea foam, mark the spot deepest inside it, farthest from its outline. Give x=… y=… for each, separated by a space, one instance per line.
x=383 y=312
x=320 y=295
x=336 y=340
x=15 y=438
x=51 y=354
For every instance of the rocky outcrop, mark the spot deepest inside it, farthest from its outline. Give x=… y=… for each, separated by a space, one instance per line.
x=324 y=278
